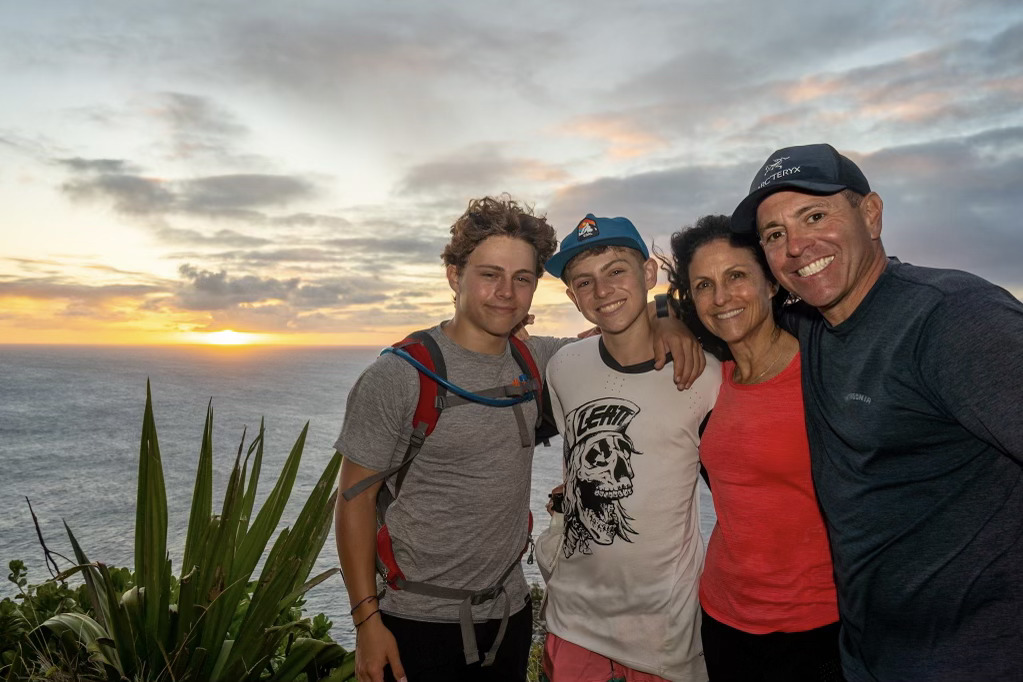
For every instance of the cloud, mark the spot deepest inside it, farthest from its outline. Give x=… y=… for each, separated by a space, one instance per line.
x=219 y=238
x=477 y=171
x=225 y=192
x=407 y=248
x=208 y=290
x=624 y=138
x=104 y=166
x=129 y=194
x=49 y=288
x=657 y=202
x=955 y=203
x=235 y=196
x=196 y=126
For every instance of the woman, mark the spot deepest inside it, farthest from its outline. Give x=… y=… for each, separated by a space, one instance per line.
x=767 y=592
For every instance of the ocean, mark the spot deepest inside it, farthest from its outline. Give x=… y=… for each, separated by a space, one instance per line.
x=71 y=421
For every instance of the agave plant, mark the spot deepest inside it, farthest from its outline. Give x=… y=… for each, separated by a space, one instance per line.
x=205 y=625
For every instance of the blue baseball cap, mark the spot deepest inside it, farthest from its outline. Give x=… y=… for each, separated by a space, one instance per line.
x=811 y=168
x=593 y=231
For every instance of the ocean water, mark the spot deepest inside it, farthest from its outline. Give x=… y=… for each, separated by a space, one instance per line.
x=71 y=421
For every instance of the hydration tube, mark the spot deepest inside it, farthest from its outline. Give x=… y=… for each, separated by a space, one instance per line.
x=457 y=390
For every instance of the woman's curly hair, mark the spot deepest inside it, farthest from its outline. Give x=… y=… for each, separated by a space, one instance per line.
x=503 y=216
x=684 y=244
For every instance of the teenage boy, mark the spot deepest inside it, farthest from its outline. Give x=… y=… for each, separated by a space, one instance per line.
x=623 y=598
x=460 y=520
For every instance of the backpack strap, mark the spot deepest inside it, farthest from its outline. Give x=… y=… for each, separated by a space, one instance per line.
x=424 y=349
x=520 y=351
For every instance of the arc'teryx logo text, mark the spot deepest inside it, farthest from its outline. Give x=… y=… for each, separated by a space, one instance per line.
x=780 y=174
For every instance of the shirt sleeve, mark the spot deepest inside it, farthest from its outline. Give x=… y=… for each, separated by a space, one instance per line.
x=971 y=359
x=378 y=414
x=544 y=348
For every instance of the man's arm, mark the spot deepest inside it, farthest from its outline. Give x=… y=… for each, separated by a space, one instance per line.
x=972 y=359
x=671 y=335
x=355 y=530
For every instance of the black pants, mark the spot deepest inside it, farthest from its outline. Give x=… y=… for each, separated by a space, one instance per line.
x=432 y=652
x=736 y=656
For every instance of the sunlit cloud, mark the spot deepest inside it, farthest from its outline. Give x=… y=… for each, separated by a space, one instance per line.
x=623 y=139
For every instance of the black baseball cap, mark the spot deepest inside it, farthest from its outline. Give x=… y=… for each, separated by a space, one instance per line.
x=811 y=168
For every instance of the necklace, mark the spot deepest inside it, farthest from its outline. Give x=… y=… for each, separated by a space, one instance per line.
x=777 y=357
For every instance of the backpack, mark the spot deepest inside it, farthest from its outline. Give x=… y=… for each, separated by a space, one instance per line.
x=436 y=394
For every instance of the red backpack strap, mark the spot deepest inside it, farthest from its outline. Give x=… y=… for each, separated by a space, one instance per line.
x=421 y=346
x=520 y=351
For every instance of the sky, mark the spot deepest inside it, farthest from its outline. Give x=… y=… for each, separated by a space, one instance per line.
x=290 y=171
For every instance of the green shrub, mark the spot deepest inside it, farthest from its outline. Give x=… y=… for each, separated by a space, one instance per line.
x=213 y=622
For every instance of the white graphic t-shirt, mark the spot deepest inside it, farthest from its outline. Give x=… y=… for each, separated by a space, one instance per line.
x=626 y=584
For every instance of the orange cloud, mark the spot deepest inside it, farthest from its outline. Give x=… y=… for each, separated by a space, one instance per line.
x=623 y=139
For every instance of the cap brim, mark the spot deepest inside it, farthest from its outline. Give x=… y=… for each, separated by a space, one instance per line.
x=744 y=217
x=556 y=265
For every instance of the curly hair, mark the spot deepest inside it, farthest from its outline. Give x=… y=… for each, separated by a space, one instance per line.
x=684 y=245
x=503 y=216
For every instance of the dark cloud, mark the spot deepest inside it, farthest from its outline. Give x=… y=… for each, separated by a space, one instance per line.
x=225 y=192
x=311 y=220
x=219 y=238
x=479 y=171
x=208 y=290
x=410 y=249
x=197 y=127
x=234 y=197
x=657 y=202
x=129 y=194
x=106 y=166
x=955 y=203
x=274 y=256
x=59 y=288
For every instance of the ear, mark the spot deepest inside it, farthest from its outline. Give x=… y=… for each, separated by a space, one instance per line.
x=871 y=208
x=650 y=273
x=452 y=273
x=571 y=295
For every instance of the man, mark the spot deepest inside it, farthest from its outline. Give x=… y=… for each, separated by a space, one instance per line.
x=459 y=521
x=623 y=597
x=913 y=379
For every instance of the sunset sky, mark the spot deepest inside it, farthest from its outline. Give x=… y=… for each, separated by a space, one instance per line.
x=291 y=170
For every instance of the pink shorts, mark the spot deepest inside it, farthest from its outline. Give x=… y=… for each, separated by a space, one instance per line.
x=567 y=662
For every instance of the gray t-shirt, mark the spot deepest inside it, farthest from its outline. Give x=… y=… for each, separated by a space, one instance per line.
x=461 y=517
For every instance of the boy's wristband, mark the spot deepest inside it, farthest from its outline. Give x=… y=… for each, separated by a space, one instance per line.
x=661 y=305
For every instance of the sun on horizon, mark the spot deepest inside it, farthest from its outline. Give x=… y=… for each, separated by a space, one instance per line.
x=229 y=337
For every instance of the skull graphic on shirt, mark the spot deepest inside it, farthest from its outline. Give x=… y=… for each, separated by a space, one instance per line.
x=599 y=474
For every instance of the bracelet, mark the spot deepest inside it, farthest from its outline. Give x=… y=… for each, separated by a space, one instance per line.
x=661 y=305
x=361 y=602
x=366 y=618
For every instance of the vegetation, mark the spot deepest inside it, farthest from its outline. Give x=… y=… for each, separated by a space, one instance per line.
x=213 y=621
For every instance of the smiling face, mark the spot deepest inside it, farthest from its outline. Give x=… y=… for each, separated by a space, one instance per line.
x=731 y=292
x=493 y=291
x=822 y=248
x=610 y=287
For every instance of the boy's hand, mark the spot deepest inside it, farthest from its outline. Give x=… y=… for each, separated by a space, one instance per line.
x=375 y=649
